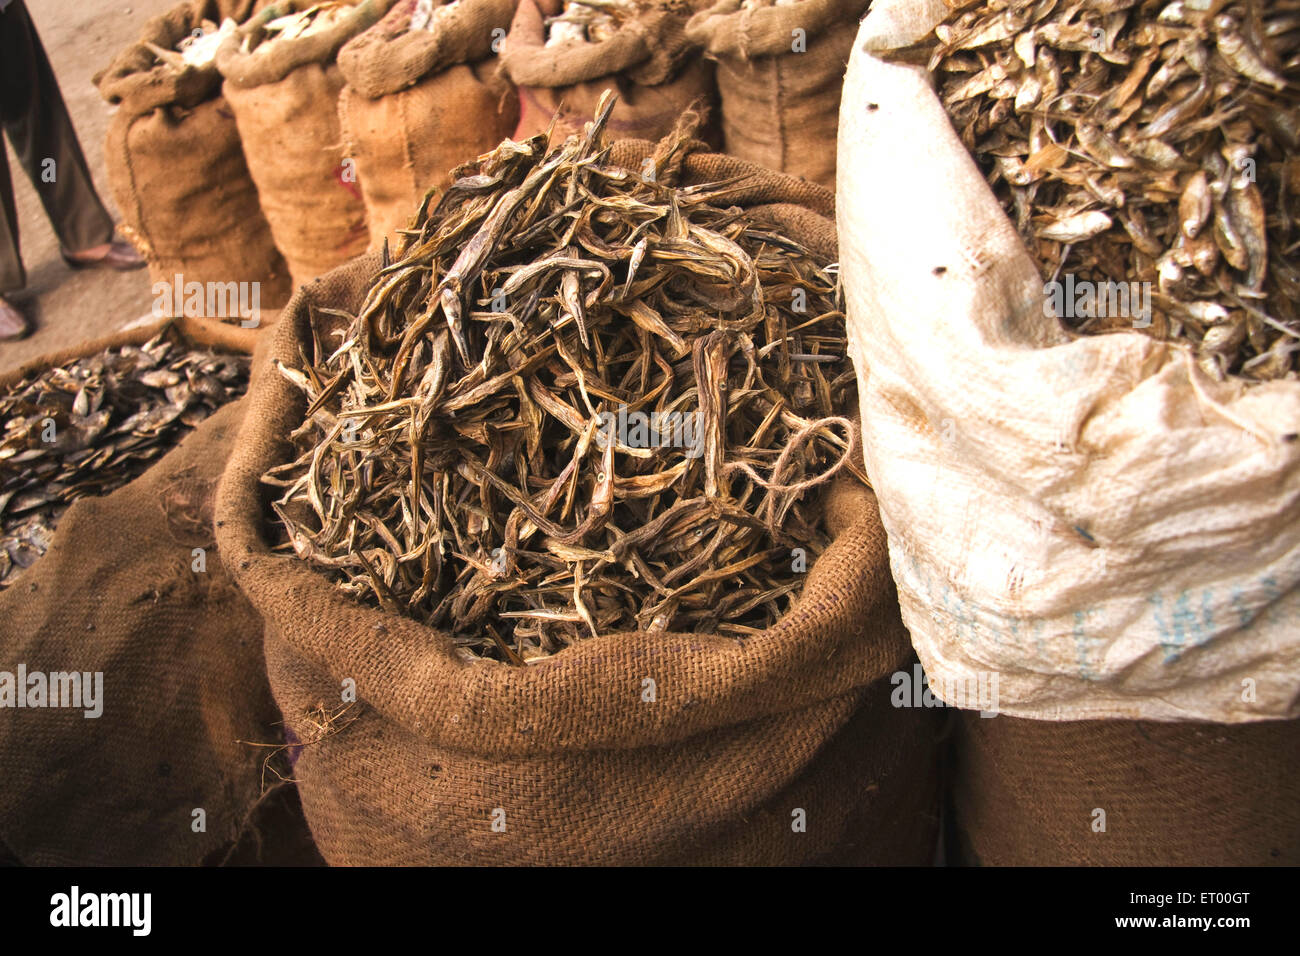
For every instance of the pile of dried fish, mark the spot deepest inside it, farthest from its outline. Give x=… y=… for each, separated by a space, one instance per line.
x=589 y=21
x=196 y=49
x=315 y=19
x=427 y=13
x=1144 y=142
x=579 y=402
x=200 y=47
x=91 y=425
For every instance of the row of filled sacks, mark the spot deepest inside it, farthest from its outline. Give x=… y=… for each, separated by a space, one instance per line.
x=816 y=742
x=286 y=153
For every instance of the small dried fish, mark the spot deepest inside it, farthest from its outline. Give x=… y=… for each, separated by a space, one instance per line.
x=1076 y=228
x=575 y=402
x=1148 y=142
x=291 y=26
x=591 y=21
x=422 y=17
x=92 y=425
x=200 y=47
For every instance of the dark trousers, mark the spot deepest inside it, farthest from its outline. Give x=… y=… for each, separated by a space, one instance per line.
x=39 y=129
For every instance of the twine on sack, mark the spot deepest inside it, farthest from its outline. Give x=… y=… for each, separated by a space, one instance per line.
x=670 y=153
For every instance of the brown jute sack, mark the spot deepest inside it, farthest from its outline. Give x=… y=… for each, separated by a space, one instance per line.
x=285 y=101
x=135 y=76
x=181 y=658
x=649 y=62
x=567 y=757
x=176 y=167
x=779 y=74
x=1027 y=793
x=419 y=103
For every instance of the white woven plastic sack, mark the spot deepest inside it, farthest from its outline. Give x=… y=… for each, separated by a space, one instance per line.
x=1096 y=522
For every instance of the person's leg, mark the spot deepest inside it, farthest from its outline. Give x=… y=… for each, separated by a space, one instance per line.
x=12 y=275
x=43 y=137
x=13 y=324
x=12 y=85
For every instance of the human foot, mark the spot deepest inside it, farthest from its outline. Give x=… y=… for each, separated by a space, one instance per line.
x=13 y=324
x=117 y=255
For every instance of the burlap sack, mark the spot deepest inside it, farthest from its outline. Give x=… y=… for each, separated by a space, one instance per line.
x=779 y=73
x=180 y=652
x=419 y=103
x=1092 y=519
x=649 y=62
x=135 y=76
x=565 y=757
x=1027 y=793
x=176 y=167
x=285 y=101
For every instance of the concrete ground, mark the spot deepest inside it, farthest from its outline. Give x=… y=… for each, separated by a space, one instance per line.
x=67 y=307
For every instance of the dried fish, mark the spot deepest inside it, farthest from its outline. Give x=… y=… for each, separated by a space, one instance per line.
x=422 y=18
x=200 y=47
x=93 y=424
x=590 y=21
x=1150 y=142
x=576 y=401
x=315 y=19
